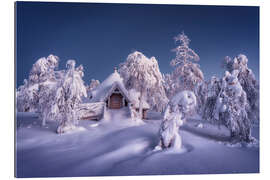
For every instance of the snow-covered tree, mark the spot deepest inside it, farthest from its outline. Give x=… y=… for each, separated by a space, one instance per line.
x=28 y=94
x=93 y=84
x=231 y=108
x=201 y=95
x=213 y=87
x=247 y=80
x=43 y=69
x=68 y=95
x=143 y=75
x=175 y=114
x=27 y=97
x=186 y=74
x=46 y=100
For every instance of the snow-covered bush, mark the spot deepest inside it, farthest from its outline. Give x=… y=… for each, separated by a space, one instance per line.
x=68 y=95
x=231 y=108
x=186 y=74
x=247 y=80
x=174 y=116
x=143 y=74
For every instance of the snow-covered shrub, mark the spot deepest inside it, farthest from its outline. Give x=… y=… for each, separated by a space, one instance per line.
x=231 y=108
x=247 y=80
x=143 y=74
x=174 y=116
x=68 y=95
x=186 y=74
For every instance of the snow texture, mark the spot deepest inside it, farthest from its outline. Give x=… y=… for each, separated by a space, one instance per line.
x=117 y=149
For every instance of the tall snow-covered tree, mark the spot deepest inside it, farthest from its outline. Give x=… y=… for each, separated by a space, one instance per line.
x=186 y=74
x=231 y=108
x=247 y=80
x=143 y=74
x=68 y=95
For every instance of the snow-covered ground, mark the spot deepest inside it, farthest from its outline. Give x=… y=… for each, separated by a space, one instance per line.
x=115 y=147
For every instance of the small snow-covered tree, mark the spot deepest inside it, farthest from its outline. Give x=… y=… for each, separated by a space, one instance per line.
x=46 y=100
x=143 y=75
x=27 y=97
x=93 y=84
x=201 y=95
x=231 y=108
x=186 y=74
x=213 y=87
x=68 y=95
x=247 y=80
x=175 y=114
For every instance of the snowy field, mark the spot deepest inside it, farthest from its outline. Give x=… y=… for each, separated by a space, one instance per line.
x=118 y=148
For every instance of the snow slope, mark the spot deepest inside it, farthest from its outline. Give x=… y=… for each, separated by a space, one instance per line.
x=115 y=148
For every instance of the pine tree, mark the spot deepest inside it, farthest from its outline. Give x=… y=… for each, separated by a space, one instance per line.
x=186 y=74
x=247 y=80
x=231 y=108
x=68 y=95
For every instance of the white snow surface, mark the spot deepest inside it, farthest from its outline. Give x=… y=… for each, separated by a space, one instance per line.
x=117 y=147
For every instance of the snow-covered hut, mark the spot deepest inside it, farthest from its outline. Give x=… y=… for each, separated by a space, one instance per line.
x=114 y=94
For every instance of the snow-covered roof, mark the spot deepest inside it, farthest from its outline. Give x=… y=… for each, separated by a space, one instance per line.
x=104 y=90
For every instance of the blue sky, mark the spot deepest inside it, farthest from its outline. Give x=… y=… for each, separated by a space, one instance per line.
x=100 y=36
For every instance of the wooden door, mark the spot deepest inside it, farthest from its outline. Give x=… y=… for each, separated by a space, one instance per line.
x=116 y=101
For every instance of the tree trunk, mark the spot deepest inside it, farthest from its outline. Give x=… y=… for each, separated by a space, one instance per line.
x=141 y=103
